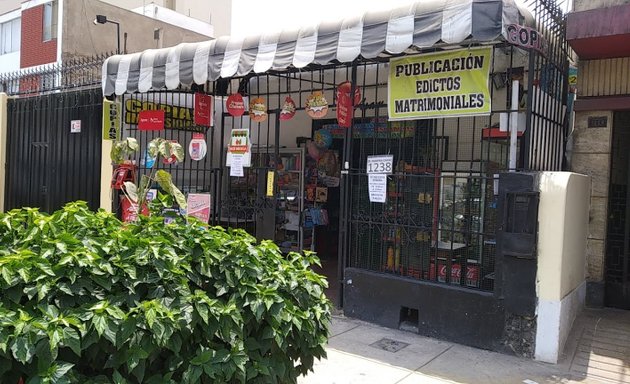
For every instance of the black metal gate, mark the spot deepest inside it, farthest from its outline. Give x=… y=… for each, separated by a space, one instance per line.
x=47 y=164
x=617 y=269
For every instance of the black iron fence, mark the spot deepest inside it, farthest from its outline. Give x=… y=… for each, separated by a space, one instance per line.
x=69 y=75
x=54 y=150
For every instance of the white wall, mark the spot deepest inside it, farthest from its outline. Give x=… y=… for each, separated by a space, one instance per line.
x=10 y=62
x=9 y=5
x=563 y=218
x=200 y=10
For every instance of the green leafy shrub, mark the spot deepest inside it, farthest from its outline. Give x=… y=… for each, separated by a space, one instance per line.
x=86 y=299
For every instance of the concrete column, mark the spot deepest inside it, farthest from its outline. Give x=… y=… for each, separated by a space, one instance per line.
x=106 y=175
x=563 y=222
x=591 y=156
x=3 y=146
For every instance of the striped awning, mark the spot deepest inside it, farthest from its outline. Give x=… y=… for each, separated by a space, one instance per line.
x=422 y=24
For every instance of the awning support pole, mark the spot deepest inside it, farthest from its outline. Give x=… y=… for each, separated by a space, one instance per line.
x=514 y=125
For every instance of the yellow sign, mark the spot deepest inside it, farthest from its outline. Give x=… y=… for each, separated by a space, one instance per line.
x=111 y=120
x=438 y=85
x=270 y=177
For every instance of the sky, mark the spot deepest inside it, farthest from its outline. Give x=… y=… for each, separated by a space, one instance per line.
x=253 y=17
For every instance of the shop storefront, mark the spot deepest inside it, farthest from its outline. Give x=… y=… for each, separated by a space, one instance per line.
x=376 y=141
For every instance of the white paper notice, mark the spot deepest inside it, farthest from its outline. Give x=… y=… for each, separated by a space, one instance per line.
x=377 y=186
x=236 y=168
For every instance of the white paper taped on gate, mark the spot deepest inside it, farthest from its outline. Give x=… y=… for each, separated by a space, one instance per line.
x=236 y=168
x=380 y=164
x=377 y=187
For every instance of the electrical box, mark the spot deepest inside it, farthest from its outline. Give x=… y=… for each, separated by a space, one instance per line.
x=517 y=236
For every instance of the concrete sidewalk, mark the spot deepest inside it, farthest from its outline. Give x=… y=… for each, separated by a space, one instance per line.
x=364 y=353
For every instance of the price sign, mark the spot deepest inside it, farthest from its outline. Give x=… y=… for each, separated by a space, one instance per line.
x=383 y=164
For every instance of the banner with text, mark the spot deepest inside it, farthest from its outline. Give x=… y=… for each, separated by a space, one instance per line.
x=439 y=85
x=111 y=120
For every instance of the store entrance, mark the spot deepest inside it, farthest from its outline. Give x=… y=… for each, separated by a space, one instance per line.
x=324 y=151
x=617 y=272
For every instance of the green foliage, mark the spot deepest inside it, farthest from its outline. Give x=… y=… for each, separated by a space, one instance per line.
x=123 y=148
x=87 y=299
x=156 y=148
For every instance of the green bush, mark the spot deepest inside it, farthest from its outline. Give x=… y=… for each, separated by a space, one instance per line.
x=87 y=299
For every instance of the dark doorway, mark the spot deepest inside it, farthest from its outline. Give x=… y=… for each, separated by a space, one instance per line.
x=328 y=168
x=617 y=267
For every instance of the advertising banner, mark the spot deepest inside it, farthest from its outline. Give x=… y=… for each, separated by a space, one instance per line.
x=177 y=108
x=203 y=109
x=199 y=206
x=151 y=120
x=111 y=120
x=439 y=85
x=239 y=146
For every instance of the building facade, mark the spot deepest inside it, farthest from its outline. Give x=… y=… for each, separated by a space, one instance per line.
x=599 y=33
x=40 y=32
x=435 y=252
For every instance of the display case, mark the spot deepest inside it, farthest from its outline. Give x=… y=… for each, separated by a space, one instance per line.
x=289 y=194
x=276 y=206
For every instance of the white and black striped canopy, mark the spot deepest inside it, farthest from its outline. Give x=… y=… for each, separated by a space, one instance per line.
x=422 y=24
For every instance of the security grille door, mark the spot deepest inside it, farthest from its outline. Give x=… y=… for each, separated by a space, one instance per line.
x=47 y=164
x=617 y=269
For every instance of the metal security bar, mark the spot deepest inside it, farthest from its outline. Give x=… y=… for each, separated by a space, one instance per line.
x=191 y=176
x=48 y=165
x=547 y=92
x=438 y=222
x=71 y=74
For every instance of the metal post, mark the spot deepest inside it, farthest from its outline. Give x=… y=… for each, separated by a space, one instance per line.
x=342 y=250
x=117 y=37
x=514 y=125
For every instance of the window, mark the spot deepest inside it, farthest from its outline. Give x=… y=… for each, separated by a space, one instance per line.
x=50 y=21
x=10 y=36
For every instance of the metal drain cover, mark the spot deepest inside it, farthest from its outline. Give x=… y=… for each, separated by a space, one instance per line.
x=389 y=345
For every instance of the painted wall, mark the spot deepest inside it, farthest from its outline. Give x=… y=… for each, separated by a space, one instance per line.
x=82 y=38
x=216 y=12
x=9 y=5
x=609 y=77
x=591 y=155
x=33 y=50
x=585 y=5
x=563 y=221
x=10 y=62
x=562 y=228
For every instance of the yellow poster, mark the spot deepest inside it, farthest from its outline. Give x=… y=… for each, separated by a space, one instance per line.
x=441 y=84
x=111 y=120
x=270 y=177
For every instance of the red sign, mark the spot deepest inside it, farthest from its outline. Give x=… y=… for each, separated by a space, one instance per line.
x=151 y=120
x=203 y=109
x=345 y=110
x=171 y=159
x=235 y=105
x=288 y=109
